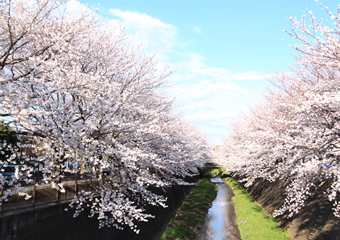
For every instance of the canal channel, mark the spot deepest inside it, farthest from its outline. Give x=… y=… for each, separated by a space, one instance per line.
x=220 y=222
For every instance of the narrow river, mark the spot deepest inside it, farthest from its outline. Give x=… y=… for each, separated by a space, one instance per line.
x=220 y=222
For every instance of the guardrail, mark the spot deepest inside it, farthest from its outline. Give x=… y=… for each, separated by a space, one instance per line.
x=43 y=194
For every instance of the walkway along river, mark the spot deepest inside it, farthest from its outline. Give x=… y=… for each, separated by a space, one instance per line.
x=220 y=222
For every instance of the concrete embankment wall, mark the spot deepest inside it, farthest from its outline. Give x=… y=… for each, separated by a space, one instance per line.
x=315 y=221
x=54 y=223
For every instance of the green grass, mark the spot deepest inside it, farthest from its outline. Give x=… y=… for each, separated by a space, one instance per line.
x=191 y=215
x=252 y=221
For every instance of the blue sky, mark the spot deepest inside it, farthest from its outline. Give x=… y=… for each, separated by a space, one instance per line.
x=222 y=51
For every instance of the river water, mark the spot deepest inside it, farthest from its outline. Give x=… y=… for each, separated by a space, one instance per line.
x=220 y=222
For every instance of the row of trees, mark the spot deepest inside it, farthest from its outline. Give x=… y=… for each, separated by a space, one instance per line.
x=83 y=93
x=294 y=134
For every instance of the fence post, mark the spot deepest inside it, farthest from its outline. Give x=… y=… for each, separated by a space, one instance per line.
x=90 y=183
x=1 y=202
x=34 y=192
x=76 y=185
x=58 y=193
x=65 y=187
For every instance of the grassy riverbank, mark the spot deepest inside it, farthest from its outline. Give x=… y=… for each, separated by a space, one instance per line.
x=252 y=221
x=191 y=215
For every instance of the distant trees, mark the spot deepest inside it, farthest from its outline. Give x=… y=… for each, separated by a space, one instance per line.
x=85 y=94
x=294 y=135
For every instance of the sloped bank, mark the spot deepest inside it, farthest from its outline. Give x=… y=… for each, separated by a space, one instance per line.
x=253 y=222
x=314 y=222
x=62 y=225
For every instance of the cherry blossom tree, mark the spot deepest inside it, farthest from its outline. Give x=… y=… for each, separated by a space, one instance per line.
x=294 y=134
x=84 y=93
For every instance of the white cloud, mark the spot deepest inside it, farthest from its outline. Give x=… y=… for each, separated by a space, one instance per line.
x=210 y=96
x=197 y=29
x=193 y=67
x=249 y=75
x=145 y=29
x=211 y=103
x=206 y=89
x=74 y=7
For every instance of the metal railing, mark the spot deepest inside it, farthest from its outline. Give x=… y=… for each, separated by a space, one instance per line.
x=43 y=194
